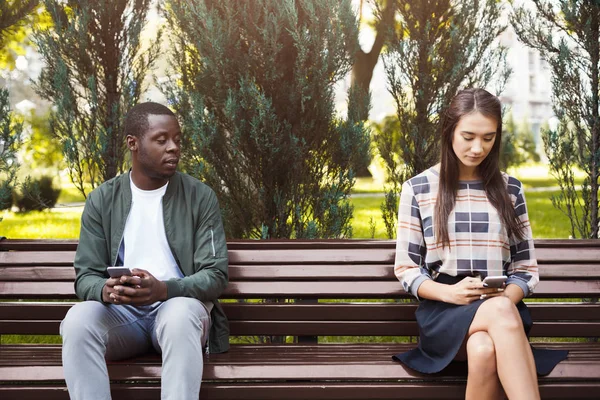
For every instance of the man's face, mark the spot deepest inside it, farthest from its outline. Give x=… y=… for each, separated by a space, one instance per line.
x=157 y=151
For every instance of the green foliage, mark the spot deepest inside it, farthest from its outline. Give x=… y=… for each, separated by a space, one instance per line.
x=15 y=15
x=95 y=69
x=440 y=47
x=37 y=195
x=6 y=195
x=10 y=141
x=42 y=149
x=256 y=97
x=567 y=33
x=518 y=145
x=12 y=14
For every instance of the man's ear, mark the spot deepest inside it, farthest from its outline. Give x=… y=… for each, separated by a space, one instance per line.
x=132 y=143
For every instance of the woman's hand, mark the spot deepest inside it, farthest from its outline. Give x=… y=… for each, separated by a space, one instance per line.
x=469 y=290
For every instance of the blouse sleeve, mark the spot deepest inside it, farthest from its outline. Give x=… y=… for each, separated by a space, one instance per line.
x=523 y=268
x=409 y=266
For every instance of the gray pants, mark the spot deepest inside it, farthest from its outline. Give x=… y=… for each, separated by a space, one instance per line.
x=93 y=332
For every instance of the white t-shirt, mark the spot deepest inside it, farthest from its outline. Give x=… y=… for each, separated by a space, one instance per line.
x=145 y=240
x=146 y=245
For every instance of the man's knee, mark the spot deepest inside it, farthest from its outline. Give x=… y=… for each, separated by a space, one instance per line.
x=81 y=320
x=183 y=312
x=182 y=316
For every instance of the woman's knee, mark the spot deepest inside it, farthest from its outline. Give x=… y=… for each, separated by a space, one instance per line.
x=503 y=312
x=481 y=353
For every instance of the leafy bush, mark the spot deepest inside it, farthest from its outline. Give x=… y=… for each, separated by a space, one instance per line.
x=6 y=195
x=37 y=194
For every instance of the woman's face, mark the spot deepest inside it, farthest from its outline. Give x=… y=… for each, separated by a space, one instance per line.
x=473 y=139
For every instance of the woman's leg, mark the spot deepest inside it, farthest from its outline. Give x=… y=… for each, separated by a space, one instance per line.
x=500 y=319
x=482 y=382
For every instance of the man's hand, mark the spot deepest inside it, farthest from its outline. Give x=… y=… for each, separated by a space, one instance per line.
x=140 y=289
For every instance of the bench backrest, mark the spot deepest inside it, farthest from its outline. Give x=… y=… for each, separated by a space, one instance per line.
x=306 y=288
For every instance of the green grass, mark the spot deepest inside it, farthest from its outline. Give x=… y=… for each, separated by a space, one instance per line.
x=366 y=208
x=69 y=194
x=546 y=221
x=26 y=339
x=48 y=224
x=537 y=176
x=63 y=223
x=367 y=185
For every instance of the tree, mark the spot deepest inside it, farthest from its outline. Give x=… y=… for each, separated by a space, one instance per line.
x=566 y=34
x=95 y=71
x=256 y=96
x=364 y=62
x=518 y=144
x=441 y=47
x=10 y=141
x=12 y=14
x=16 y=21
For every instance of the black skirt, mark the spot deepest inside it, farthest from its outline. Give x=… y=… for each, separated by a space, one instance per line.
x=443 y=328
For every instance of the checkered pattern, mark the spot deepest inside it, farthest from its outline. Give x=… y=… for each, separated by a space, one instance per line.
x=479 y=244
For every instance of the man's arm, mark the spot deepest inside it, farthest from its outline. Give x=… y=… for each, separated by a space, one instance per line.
x=211 y=261
x=92 y=254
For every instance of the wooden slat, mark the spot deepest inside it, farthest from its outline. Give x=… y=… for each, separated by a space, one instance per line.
x=324 y=328
x=70 y=244
x=312 y=312
x=303 y=391
x=294 y=272
x=286 y=362
x=38 y=273
x=15 y=258
x=380 y=319
x=301 y=289
x=582 y=255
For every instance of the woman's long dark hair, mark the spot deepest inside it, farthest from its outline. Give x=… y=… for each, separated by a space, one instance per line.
x=464 y=103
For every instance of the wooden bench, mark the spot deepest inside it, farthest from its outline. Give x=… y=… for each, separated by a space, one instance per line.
x=358 y=296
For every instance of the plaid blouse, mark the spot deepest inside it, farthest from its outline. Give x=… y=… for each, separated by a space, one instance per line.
x=479 y=243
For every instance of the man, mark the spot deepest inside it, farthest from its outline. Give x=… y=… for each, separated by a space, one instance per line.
x=166 y=227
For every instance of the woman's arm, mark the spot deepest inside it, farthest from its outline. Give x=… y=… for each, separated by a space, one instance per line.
x=514 y=292
x=523 y=269
x=464 y=292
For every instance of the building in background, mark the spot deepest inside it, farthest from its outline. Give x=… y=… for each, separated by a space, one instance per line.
x=529 y=90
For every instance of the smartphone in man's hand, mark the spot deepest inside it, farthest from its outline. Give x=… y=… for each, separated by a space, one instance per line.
x=115 y=272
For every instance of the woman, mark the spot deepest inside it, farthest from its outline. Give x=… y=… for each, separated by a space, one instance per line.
x=458 y=222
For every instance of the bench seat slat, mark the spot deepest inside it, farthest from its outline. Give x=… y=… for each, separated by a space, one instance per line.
x=324 y=328
x=367 y=362
x=303 y=391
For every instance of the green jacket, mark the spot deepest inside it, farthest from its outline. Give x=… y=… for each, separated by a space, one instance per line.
x=194 y=231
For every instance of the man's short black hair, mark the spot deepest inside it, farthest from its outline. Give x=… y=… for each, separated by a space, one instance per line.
x=136 y=120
